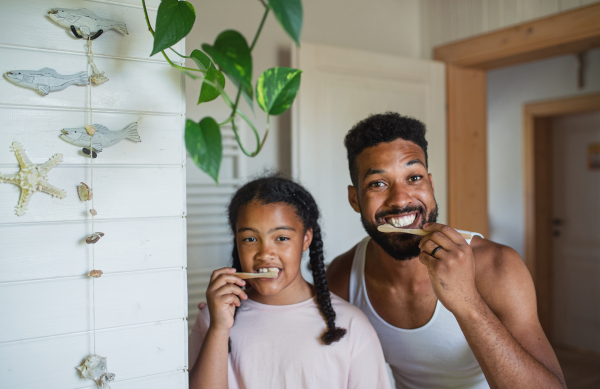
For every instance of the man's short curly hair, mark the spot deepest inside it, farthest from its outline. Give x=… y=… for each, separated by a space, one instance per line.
x=382 y=128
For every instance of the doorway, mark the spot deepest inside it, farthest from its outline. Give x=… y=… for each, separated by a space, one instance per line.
x=562 y=169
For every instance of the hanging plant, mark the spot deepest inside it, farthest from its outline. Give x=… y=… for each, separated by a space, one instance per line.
x=229 y=55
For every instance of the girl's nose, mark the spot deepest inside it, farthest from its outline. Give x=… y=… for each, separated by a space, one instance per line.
x=266 y=252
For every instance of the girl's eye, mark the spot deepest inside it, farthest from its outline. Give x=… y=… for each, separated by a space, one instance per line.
x=249 y=239
x=415 y=178
x=282 y=239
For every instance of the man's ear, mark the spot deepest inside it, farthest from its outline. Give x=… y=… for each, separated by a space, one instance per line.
x=308 y=237
x=353 y=198
x=431 y=180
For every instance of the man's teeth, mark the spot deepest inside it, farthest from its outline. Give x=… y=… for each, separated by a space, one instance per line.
x=268 y=270
x=402 y=221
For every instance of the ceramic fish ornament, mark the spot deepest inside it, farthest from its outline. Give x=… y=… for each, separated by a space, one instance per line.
x=46 y=80
x=103 y=137
x=32 y=178
x=84 y=23
x=94 y=368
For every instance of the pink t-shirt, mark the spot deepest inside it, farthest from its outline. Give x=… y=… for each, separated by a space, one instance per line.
x=279 y=346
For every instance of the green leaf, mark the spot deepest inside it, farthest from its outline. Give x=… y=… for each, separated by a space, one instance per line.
x=203 y=142
x=289 y=14
x=232 y=54
x=209 y=92
x=174 y=20
x=276 y=89
x=202 y=60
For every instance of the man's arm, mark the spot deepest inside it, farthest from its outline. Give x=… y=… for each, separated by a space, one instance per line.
x=338 y=274
x=495 y=306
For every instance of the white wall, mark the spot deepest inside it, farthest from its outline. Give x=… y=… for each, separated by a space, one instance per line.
x=508 y=90
x=444 y=21
x=46 y=314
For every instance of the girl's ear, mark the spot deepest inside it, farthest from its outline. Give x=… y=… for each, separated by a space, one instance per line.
x=308 y=236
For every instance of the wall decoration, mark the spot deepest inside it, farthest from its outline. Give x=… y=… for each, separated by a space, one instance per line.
x=94 y=368
x=95 y=273
x=32 y=178
x=83 y=23
x=84 y=192
x=95 y=237
x=102 y=138
x=46 y=80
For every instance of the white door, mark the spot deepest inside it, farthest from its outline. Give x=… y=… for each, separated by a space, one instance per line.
x=339 y=88
x=576 y=289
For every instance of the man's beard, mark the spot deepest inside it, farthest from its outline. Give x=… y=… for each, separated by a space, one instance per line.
x=397 y=245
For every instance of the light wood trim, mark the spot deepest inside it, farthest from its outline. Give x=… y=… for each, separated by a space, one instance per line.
x=563 y=33
x=537 y=146
x=467 y=148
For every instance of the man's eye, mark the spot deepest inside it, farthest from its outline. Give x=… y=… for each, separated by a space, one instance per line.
x=249 y=239
x=376 y=184
x=415 y=178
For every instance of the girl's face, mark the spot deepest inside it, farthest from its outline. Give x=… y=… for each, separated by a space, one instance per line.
x=272 y=236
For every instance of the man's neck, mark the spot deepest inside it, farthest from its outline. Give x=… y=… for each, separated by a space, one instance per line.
x=409 y=274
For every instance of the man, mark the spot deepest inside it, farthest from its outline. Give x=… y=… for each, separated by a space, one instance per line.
x=449 y=314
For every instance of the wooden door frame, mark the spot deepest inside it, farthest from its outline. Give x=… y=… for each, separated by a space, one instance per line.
x=537 y=150
x=467 y=62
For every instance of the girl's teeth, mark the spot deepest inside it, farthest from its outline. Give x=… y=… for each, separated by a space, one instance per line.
x=268 y=270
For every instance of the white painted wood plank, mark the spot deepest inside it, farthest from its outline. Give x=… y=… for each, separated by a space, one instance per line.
x=175 y=380
x=565 y=5
x=24 y=23
x=65 y=305
x=118 y=193
x=162 y=136
x=129 y=245
x=131 y=352
x=133 y=86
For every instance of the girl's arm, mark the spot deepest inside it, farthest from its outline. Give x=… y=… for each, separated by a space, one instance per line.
x=210 y=369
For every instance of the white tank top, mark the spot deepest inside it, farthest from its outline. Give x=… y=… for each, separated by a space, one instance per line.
x=436 y=355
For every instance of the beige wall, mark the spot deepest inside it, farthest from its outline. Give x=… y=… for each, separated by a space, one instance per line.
x=389 y=26
x=444 y=21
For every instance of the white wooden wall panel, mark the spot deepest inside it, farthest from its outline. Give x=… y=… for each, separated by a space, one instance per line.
x=130 y=81
x=444 y=21
x=121 y=299
x=132 y=352
x=26 y=25
x=43 y=126
x=119 y=192
x=135 y=244
x=46 y=313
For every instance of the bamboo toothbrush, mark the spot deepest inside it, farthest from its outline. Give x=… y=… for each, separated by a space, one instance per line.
x=390 y=228
x=245 y=276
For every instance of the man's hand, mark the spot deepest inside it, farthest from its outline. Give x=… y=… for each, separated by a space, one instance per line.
x=451 y=268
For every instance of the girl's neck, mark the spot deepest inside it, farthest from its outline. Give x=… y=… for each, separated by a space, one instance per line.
x=297 y=292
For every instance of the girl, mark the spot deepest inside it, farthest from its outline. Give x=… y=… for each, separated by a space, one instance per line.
x=287 y=333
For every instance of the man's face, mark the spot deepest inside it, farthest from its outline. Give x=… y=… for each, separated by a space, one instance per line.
x=393 y=187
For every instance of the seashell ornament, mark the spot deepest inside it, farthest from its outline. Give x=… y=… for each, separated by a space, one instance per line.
x=84 y=192
x=95 y=237
x=95 y=273
x=97 y=77
x=90 y=129
x=93 y=212
x=94 y=368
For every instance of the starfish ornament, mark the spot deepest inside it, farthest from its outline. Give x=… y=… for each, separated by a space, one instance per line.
x=32 y=178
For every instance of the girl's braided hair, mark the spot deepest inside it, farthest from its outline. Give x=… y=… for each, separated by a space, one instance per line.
x=277 y=189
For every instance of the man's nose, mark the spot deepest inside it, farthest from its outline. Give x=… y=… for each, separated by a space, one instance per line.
x=398 y=196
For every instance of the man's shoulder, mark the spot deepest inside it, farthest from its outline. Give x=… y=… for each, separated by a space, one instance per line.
x=338 y=274
x=498 y=268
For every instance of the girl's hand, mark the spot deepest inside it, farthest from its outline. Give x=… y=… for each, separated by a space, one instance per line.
x=223 y=295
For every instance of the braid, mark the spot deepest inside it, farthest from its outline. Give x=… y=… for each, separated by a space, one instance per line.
x=333 y=333
x=237 y=265
x=277 y=189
